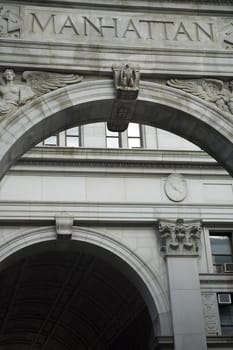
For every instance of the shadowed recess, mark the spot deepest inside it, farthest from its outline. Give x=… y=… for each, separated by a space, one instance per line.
x=70 y=300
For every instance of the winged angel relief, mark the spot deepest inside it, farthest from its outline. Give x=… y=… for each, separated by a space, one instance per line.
x=211 y=90
x=14 y=94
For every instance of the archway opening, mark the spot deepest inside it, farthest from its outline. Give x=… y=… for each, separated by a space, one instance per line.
x=90 y=102
x=59 y=295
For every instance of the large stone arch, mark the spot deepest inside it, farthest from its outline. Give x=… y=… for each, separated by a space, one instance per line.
x=22 y=243
x=92 y=101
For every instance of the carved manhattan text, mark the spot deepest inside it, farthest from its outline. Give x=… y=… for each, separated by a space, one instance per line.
x=154 y=28
x=211 y=90
x=17 y=91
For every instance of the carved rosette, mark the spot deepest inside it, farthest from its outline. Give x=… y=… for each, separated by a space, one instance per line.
x=180 y=238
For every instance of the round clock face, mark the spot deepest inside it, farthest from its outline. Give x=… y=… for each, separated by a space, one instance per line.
x=176 y=187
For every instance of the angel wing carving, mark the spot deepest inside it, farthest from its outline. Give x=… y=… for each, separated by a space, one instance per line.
x=210 y=90
x=44 y=82
x=16 y=91
x=207 y=89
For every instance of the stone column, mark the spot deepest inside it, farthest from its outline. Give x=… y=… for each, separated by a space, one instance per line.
x=180 y=245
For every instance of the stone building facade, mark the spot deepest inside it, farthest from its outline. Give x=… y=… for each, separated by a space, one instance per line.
x=116 y=163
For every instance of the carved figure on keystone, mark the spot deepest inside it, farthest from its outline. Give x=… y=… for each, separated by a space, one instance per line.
x=29 y=86
x=128 y=77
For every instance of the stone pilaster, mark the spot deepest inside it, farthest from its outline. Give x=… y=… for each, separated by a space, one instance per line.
x=180 y=245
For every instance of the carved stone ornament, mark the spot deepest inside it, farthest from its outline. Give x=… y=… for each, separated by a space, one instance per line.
x=211 y=90
x=64 y=226
x=176 y=187
x=180 y=238
x=17 y=91
x=10 y=21
x=228 y=35
x=210 y=308
x=126 y=80
x=122 y=114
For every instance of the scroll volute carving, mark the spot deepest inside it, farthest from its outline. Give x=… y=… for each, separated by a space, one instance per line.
x=179 y=238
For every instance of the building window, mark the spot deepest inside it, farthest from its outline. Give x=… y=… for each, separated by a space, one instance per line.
x=134 y=136
x=221 y=249
x=226 y=313
x=72 y=137
x=113 y=139
x=51 y=141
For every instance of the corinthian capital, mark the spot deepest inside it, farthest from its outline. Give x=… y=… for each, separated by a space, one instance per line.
x=179 y=238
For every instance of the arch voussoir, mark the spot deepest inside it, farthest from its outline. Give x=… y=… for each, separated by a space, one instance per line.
x=158 y=105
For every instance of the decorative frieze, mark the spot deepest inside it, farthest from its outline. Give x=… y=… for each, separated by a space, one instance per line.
x=111 y=27
x=179 y=238
x=17 y=90
x=211 y=90
x=210 y=309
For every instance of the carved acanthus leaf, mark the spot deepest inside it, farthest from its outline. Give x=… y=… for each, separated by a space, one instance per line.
x=211 y=90
x=180 y=238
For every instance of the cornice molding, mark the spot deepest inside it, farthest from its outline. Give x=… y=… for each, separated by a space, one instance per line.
x=51 y=159
x=182 y=4
x=14 y=212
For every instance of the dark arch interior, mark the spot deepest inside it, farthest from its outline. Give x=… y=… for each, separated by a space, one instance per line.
x=61 y=299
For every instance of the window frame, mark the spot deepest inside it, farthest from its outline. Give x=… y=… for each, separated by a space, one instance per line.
x=108 y=137
x=221 y=307
x=73 y=136
x=140 y=137
x=57 y=143
x=218 y=231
